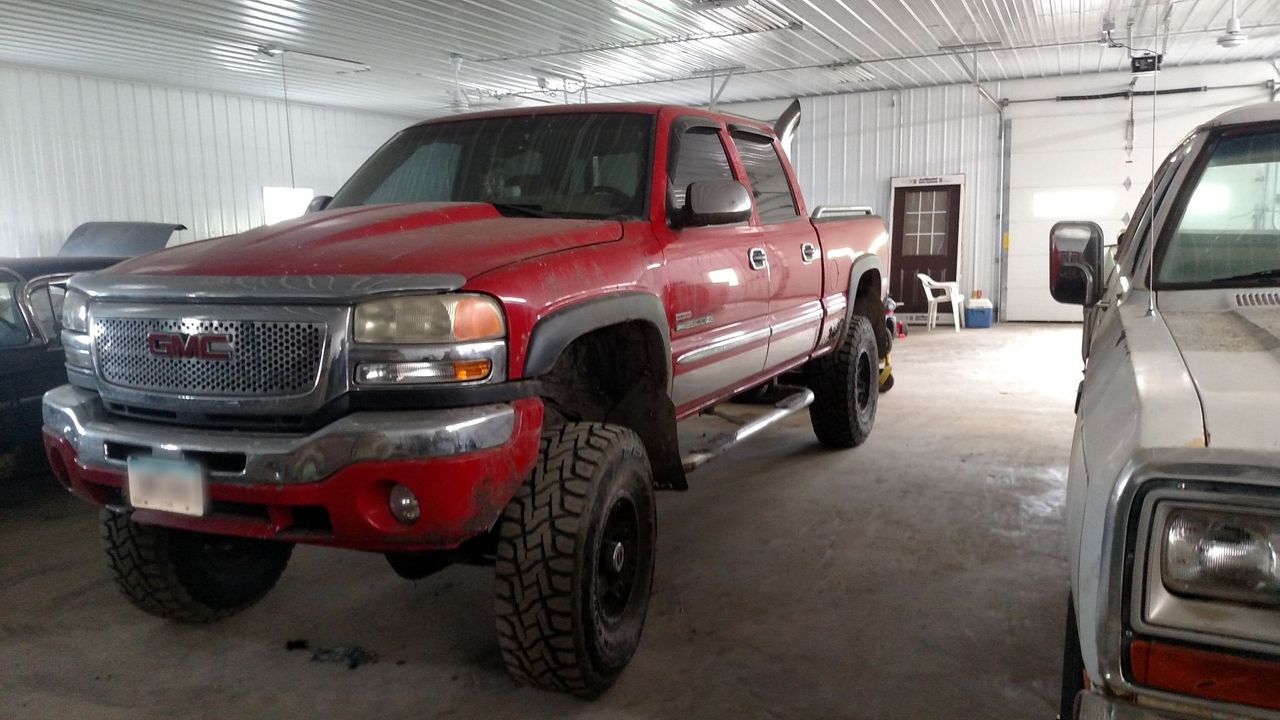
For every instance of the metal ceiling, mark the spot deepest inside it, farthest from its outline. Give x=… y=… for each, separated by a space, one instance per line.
x=426 y=58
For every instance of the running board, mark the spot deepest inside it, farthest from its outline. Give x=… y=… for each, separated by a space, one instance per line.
x=787 y=406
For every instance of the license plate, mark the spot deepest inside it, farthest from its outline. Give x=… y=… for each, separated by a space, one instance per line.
x=175 y=486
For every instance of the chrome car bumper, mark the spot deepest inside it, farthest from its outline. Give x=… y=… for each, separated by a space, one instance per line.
x=1096 y=706
x=101 y=439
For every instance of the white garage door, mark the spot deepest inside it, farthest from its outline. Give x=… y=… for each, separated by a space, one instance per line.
x=1068 y=162
x=1063 y=170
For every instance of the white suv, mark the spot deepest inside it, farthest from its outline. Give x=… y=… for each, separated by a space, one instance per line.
x=1173 y=500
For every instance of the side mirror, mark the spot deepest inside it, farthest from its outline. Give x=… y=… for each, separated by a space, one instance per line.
x=715 y=202
x=1075 y=263
x=318 y=203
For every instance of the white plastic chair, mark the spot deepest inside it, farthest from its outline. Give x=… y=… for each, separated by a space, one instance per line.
x=945 y=292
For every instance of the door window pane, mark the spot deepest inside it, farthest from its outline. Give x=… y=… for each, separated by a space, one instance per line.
x=769 y=183
x=46 y=305
x=13 y=327
x=700 y=156
x=925 y=222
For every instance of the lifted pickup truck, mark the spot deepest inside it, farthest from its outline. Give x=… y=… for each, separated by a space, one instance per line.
x=476 y=351
x=1173 y=495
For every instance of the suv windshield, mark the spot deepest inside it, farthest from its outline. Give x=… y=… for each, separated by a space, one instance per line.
x=1229 y=233
x=13 y=328
x=585 y=165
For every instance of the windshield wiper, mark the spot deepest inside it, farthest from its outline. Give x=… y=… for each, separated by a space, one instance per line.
x=526 y=210
x=1272 y=274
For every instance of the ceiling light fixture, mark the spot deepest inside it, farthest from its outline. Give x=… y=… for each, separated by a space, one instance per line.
x=970 y=47
x=303 y=59
x=1234 y=36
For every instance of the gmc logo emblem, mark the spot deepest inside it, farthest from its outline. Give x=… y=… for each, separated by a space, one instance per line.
x=205 y=346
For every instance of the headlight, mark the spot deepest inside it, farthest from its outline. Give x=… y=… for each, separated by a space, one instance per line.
x=428 y=319
x=1222 y=555
x=75 y=311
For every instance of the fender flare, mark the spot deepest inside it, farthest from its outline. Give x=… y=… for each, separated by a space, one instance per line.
x=557 y=331
x=861 y=267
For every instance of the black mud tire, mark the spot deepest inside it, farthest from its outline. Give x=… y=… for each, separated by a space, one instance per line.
x=1072 y=665
x=846 y=384
x=569 y=610
x=185 y=576
x=872 y=308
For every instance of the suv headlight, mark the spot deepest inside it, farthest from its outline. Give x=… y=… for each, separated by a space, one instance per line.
x=428 y=319
x=75 y=311
x=1223 y=555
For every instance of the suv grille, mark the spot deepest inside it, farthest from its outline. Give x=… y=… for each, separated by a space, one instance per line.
x=265 y=359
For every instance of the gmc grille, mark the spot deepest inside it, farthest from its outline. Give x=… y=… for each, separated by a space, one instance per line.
x=267 y=359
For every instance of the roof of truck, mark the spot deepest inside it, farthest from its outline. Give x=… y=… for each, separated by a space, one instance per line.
x=1262 y=112
x=641 y=108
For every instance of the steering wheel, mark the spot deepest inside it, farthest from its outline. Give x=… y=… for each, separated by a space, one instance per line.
x=616 y=197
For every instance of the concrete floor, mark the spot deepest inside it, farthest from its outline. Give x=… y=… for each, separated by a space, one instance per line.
x=919 y=576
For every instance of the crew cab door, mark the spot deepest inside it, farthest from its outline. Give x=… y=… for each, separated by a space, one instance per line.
x=718 y=299
x=792 y=247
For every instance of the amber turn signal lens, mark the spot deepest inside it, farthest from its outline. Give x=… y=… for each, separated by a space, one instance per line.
x=1205 y=673
x=471 y=369
x=476 y=318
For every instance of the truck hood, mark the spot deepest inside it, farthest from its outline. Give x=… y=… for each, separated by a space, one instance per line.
x=1231 y=344
x=466 y=239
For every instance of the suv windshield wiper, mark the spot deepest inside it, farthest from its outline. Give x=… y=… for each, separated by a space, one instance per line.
x=527 y=210
x=1272 y=274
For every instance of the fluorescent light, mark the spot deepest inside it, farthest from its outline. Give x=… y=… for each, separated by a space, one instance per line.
x=1076 y=203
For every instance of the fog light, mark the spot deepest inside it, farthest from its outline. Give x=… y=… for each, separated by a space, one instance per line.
x=403 y=504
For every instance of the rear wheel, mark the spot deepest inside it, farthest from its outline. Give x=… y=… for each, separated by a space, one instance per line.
x=845 y=384
x=189 y=577
x=575 y=560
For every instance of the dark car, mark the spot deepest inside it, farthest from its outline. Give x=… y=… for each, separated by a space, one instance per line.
x=31 y=292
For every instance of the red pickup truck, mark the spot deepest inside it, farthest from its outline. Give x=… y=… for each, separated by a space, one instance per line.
x=476 y=351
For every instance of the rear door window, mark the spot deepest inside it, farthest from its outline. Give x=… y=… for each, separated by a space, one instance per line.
x=769 y=185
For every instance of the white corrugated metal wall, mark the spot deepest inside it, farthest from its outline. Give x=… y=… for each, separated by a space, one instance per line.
x=76 y=148
x=849 y=147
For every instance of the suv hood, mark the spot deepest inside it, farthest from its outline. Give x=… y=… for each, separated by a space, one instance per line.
x=1230 y=341
x=460 y=238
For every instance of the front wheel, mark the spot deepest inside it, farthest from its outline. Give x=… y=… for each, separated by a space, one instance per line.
x=575 y=560
x=186 y=576
x=1073 y=670
x=845 y=384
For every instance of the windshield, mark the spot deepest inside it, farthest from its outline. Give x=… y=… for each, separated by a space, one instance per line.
x=590 y=165
x=13 y=328
x=1229 y=233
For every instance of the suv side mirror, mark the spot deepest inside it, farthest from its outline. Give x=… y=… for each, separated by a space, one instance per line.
x=715 y=202
x=318 y=203
x=1075 y=263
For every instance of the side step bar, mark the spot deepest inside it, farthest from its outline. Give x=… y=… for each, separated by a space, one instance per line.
x=784 y=407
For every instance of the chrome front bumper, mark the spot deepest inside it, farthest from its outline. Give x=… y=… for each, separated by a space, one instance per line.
x=103 y=440
x=1092 y=705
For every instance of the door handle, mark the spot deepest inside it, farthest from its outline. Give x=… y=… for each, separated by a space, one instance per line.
x=758 y=259
x=808 y=252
